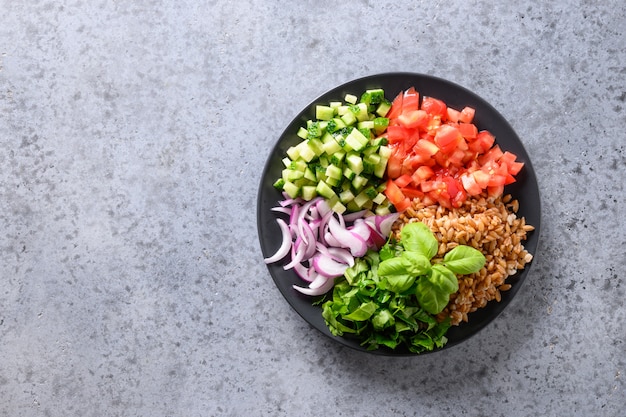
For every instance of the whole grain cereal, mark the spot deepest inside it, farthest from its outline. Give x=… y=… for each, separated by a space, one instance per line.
x=487 y=224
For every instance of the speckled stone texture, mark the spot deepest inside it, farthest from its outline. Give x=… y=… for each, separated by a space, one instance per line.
x=132 y=139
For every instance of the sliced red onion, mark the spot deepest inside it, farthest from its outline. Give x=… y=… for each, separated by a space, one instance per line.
x=331 y=240
x=328 y=285
x=323 y=208
x=296 y=256
x=310 y=241
x=327 y=241
x=283 y=250
x=341 y=255
x=319 y=281
x=307 y=274
x=360 y=228
x=285 y=210
x=357 y=215
x=384 y=223
x=352 y=241
x=327 y=266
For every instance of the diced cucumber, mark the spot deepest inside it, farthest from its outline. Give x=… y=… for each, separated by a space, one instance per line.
x=330 y=145
x=348 y=173
x=355 y=163
x=350 y=98
x=348 y=118
x=338 y=207
x=291 y=189
x=357 y=140
x=303 y=133
x=346 y=196
x=358 y=182
x=384 y=152
x=279 y=183
x=342 y=155
x=324 y=190
x=361 y=199
x=380 y=124
x=316 y=145
x=309 y=192
x=366 y=124
x=310 y=175
x=382 y=210
x=379 y=199
x=337 y=158
x=373 y=96
x=333 y=171
x=293 y=152
x=332 y=182
x=292 y=174
x=360 y=111
x=314 y=130
x=324 y=112
x=370 y=192
x=383 y=108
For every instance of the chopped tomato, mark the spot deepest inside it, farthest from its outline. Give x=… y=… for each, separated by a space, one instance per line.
x=446 y=138
x=468 y=130
x=396 y=196
x=412 y=193
x=396 y=107
x=411 y=101
x=434 y=107
x=439 y=155
x=413 y=119
x=403 y=180
x=467 y=115
x=453 y=115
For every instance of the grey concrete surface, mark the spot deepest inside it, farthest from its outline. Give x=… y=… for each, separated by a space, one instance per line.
x=132 y=139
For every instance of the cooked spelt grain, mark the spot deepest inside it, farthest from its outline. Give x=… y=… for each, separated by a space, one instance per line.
x=488 y=225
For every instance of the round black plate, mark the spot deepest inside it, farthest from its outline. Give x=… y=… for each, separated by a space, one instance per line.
x=525 y=189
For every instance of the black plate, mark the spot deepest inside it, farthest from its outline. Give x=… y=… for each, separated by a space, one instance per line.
x=525 y=189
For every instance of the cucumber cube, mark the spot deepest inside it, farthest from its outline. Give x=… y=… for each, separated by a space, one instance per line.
x=357 y=140
x=383 y=108
x=324 y=112
x=309 y=192
x=302 y=133
x=355 y=163
x=291 y=189
x=324 y=190
x=333 y=171
x=350 y=98
x=346 y=196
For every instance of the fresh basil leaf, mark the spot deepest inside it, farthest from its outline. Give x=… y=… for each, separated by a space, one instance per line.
x=383 y=319
x=397 y=283
x=430 y=296
x=335 y=327
x=386 y=252
x=422 y=341
x=362 y=313
x=415 y=263
x=444 y=279
x=392 y=266
x=417 y=237
x=464 y=260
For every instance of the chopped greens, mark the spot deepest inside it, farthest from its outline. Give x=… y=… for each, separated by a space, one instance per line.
x=390 y=297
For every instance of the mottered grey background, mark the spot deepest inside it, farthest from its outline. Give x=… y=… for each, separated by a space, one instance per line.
x=132 y=139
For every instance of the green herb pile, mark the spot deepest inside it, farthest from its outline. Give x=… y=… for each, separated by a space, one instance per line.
x=390 y=298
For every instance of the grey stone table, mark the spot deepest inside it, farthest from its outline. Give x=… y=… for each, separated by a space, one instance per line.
x=132 y=139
